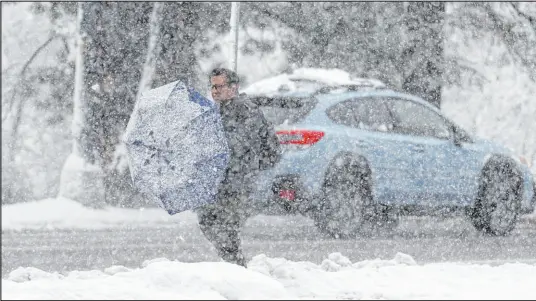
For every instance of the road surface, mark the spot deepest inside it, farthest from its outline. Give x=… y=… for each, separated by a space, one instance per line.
x=426 y=239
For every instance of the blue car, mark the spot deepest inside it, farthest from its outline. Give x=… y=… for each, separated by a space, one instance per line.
x=358 y=155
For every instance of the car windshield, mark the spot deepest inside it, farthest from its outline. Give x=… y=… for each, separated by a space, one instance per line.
x=283 y=110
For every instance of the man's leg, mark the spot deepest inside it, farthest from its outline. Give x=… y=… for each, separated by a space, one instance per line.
x=220 y=223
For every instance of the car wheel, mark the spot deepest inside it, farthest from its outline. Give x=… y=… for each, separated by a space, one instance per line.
x=346 y=208
x=499 y=201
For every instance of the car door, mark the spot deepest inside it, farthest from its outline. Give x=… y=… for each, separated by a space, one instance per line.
x=461 y=166
x=443 y=163
x=392 y=157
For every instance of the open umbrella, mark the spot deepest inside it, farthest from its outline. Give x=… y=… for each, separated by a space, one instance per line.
x=176 y=147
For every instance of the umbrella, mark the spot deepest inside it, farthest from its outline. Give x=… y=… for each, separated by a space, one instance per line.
x=176 y=147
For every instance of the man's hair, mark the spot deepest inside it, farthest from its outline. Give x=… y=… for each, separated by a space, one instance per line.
x=230 y=75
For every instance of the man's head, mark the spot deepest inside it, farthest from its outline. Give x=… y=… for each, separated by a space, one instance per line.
x=224 y=84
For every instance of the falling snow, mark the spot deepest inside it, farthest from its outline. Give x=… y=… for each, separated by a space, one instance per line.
x=374 y=81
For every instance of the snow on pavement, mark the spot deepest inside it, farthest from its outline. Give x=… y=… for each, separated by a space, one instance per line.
x=277 y=278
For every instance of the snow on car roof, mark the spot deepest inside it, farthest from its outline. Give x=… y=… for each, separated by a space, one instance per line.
x=308 y=80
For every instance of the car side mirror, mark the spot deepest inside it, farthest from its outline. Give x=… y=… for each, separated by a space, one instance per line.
x=456 y=139
x=459 y=137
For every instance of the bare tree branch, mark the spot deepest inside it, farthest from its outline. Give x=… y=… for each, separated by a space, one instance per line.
x=531 y=19
x=508 y=36
x=11 y=102
x=12 y=145
x=65 y=43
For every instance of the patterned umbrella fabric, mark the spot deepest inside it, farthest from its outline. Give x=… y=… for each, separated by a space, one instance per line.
x=176 y=147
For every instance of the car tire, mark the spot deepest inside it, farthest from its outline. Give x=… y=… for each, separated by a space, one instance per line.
x=346 y=209
x=498 y=204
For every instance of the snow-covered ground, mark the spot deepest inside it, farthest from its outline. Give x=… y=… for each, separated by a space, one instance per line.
x=63 y=213
x=265 y=278
x=276 y=278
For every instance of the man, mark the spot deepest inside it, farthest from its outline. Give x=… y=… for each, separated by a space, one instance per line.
x=253 y=147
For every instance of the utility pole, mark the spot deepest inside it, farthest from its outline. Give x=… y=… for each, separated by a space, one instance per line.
x=235 y=11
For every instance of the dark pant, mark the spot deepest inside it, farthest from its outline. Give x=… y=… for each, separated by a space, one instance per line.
x=221 y=223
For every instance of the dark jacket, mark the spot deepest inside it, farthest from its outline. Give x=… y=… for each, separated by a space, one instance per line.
x=251 y=140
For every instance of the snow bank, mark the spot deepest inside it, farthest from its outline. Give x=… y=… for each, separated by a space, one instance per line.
x=278 y=278
x=82 y=181
x=63 y=213
x=530 y=218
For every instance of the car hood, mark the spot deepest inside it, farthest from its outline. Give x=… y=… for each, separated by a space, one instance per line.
x=491 y=146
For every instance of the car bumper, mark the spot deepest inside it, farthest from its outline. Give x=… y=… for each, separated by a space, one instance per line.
x=529 y=192
x=528 y=204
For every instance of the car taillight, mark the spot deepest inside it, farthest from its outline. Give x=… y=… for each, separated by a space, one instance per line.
x=299 y=137
x=289 y=195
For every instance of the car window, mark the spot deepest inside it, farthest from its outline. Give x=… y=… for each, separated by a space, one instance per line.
x=280 y=110
x=362 y=113
x=415 y=119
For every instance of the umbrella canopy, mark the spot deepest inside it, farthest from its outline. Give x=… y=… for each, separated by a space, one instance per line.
x=176 y=147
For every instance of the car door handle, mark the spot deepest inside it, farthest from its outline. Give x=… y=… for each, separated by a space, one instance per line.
x=363 y=143
x=418 y=148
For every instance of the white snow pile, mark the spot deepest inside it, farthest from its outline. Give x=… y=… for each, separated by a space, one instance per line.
x=278 y=278
x=63 y=213
x=308 y=80
x=530 y=218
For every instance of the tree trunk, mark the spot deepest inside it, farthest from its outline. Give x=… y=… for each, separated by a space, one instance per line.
x=176 y=59
x=12 y=191
x=425 y=54
x=119 y=188
x=152 y=50
x=127 y=73
x=82 y=176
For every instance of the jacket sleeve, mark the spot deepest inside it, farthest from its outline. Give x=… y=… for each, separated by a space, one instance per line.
x=269 y=146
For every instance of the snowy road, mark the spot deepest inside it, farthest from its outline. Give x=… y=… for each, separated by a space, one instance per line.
x=294 y=238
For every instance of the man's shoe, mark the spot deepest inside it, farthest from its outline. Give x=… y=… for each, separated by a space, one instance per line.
x=236 y=258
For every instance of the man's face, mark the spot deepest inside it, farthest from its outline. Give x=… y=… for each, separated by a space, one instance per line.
x=221 y=91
